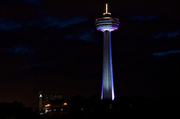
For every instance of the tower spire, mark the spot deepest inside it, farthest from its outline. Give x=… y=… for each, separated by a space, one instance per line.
x=107 y=13
x=106 y=8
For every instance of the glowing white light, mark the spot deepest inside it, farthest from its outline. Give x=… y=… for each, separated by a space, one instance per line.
x=41 y=113
x=46 y=111
x=40 y=96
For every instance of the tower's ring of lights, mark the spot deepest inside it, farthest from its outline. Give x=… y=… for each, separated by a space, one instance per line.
x=107 y=23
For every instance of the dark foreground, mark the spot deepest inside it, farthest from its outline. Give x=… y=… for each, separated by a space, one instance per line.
x=93 y=108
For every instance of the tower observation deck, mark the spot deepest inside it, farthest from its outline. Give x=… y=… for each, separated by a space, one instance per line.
x=107 y=24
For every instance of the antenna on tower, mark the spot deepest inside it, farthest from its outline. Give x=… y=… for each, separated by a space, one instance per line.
x=107 y=13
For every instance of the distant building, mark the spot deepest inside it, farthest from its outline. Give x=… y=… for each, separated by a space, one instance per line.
x=51 y=103
x=60 y=109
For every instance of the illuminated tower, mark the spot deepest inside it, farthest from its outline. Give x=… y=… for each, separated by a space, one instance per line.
x=107 y=24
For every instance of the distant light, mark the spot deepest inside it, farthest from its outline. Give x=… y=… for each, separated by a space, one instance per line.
x=40 y=96
x=47 y=105
x=64 y=103
x=41 y=113
x=46 y=111
x=110 y=106
x=61 y=109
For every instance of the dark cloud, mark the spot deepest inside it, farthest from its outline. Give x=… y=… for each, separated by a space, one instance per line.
x=145 y=18
x=36 y=2
x=62 y=22
x=42 y=23
x=85 y=35
x=9 y=24
x=172 y=34
x=166 y=53
x=20 y=11
x=20 y=50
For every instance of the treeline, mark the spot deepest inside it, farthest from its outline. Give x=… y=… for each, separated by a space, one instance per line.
x=81 y=108
x=16 y=110
x=124 y=107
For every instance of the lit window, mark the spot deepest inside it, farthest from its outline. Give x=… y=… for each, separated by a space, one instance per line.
x=48 y=105
x=64 y=103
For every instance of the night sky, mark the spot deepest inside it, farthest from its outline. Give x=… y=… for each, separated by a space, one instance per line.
x=53 y=45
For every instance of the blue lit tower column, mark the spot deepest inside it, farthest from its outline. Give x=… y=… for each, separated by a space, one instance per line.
x=107 y=24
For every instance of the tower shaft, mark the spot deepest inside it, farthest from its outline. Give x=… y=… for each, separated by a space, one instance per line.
x=107 y=92
x=107 y=24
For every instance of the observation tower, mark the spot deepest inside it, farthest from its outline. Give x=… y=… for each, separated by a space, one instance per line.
x=107 y=24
